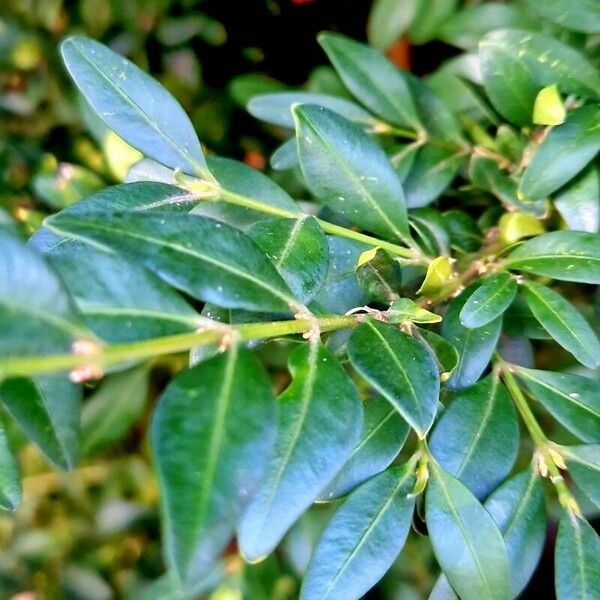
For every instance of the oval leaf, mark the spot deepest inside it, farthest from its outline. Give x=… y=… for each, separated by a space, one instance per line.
x=583 y=463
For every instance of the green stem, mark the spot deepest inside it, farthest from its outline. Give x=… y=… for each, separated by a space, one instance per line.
x=106 y=356
x=245 y=202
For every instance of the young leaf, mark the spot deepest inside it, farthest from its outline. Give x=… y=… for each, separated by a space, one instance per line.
x=349 y=172
x=577 y=569
x=564 y=323
x=113 y=409
x=371 y=78
x=572 y=400
x=549 y=108
x=383 y=435
x=47 y=408
x=277 y=108
x=321 y=401
x=477 y=437
x=489 y=301
x=515 y=226
x=583 y=463
x=36 y=313
x=465 y=539
x=363 y=538
x=404 y=309
x=580 y=16
x=475 y=346
x=298 y=249
x=515 y=64
x=400 y=368
x=134 y=105
x=10 y=482
x=565 y=151
x=209 y=260
x=564 y=255
x=439 y=274
x=207 y=470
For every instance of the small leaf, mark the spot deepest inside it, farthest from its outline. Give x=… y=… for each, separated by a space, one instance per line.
x=583 y=463
x=572 y=400
x=432 y=230
x=349 y=172
x=113 y=409
x=198 y=422
x=363 y=538
x=208 y=260
x=564 y=255
x=383 y=435
x=515 y=226
x=565 y=151
x=439 y=274
x=475 y=346
x=400 y=368
x=298 y=250
x=577 y=570
x=444 y=353
x=548 y=108
x=10 y=482
x=133 y=104
x=564 y=323
x=465 y=539
x=379 y=275
x=477 y=437
x=404 y=309
x=321 y=400
x=47 y=408
x=489 y=301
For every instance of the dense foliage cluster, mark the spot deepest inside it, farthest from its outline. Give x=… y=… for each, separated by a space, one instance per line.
x=431 y=294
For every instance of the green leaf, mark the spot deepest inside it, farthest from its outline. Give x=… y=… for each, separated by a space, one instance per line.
x=372 y=79
x=113 y=409
x=477 y=437
x=277 y=108
x=564 y=255
x=363 y=538
x=519 y=320
x=579 y=202
x=549 y=108
x=400 y=368
x=572 y=400
x=465 y=234
x=577 y=569
x=465 y=539
x=516 y=64
x=388 y=20
x=579 y=16
x=349 y=172
x=47 y=408
x=208 y=260
x=439 y=273
x=298 y=249
x=565 y=151
x=515 y=226
x=285 y=156
x=119 y=300
x=431 y=228
x=475 y=346
x=36 y=313
x=133 y=104
x=489 y=301
x=383 y=435
x=10 y=482
x=443 y=352
x=405 y=309
x=583 y=463
x=380 y=275
x=206 y=469
x=428 y=19
x=564 y=323
x=321 y=401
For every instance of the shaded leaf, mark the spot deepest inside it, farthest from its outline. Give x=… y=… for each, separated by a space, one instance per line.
x=580 y=16
x=10 y=481
x=583 y=463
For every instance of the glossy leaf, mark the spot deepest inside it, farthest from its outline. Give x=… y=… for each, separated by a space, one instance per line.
x=516 y=64
x=515 y=226
x=383 y=435
x=439 y=273
x=465 y=539
x=548 y=108
x=404 y=309
x=579 y=202
x=576 y=566
x=564 y=255
x=198 y=421
x=489 y=301
x=372 y=79
x=400 y=368
x=47 y=408
x=349 y=172
x=444 y=353
x=298 y=249
x=475 y=346
x=321 y=401
x=565 y=151
x=10 y=481
x=380 y=275
x=583 y=463
x=363 y=538
x=477 y=437
x=571 y=399
x=133 y=104
x=564 y=323
x=209 y=260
